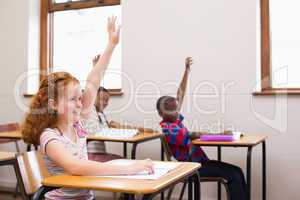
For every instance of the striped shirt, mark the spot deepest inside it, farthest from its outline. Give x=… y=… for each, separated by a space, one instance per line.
x=94 y=123
x=177 y=136
x=77 y=149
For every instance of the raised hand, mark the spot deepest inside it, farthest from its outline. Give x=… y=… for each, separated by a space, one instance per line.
x=188 y=62
x=113 y=32
x=95 y=59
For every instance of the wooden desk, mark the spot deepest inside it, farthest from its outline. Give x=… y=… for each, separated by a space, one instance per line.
x=11 y=135
x=130 y=187
x=245 y=141
x=14 y=135
x=6 y=157
x=140 y=138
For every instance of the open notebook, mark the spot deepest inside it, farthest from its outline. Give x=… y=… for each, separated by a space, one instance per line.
x=116 y=133
x=160 y=169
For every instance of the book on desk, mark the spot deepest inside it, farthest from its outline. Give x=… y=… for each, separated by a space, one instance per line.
x=228 y=136
x=117 y=133
x=160 y=169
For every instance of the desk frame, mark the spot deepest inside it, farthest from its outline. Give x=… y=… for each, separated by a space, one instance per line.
x=133 y=141
x=192 y=177
x=249 y=163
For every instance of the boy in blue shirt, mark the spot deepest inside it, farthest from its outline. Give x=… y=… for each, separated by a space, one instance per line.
x=179 y=140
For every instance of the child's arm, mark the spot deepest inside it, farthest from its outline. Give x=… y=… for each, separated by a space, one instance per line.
x=183 y=84
x=196 y=135
x=95 y=75
x=95 y=59
x=71 y=165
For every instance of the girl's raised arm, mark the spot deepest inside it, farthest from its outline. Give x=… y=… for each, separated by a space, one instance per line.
x=96 y=74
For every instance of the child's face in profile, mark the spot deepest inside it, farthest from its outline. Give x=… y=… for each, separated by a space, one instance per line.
x=69 y=105
x=102 y=100
x=170 y=111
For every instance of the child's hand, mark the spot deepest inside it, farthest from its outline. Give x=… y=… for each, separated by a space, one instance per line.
x=113 y=32
x=143 y=165
x=95 y=59
x=147 y=130
x=188 y=62
x=196 y=135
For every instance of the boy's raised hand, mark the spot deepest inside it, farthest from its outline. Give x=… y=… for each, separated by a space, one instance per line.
x=113 y=32
x=188 y=62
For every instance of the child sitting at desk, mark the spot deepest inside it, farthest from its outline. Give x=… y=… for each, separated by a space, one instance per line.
x=98 y=120
x=54 y=123
x=179 y=140
x=95 y=122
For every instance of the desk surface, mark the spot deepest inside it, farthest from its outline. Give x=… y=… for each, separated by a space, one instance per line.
x=144 y=136
x=6 y=156
x=11 y=135
x=138 y=138
x=246 y=140
x=131 y=186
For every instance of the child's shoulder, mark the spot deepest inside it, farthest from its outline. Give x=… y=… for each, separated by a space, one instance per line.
x=49 y=133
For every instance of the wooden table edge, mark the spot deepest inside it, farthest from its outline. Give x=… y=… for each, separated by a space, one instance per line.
x=156 y=189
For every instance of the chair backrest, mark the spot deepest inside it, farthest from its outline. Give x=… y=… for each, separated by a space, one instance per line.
x=9 y=127
x=166 y=148
x=32 y=170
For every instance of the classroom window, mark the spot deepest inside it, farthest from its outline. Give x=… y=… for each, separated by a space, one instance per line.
x=78 y=36
x=72 y=33
x=280 y=46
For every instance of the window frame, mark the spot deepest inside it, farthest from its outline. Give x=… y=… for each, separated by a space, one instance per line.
x=266 y=56
x=48 y=7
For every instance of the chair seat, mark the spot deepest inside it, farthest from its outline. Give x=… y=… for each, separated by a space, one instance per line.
x=213 y=179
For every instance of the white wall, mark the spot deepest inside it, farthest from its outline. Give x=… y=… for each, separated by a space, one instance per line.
x=157 y=35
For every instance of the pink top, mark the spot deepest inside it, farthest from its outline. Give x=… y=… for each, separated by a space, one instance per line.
x=77 y=149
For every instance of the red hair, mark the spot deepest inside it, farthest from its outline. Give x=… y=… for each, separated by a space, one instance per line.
x=41 y=115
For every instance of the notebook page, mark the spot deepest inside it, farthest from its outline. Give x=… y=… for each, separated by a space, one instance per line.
x=116 y=133
x=160 y=169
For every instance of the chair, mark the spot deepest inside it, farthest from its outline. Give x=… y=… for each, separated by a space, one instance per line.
x=30 y=171
x=170 y=157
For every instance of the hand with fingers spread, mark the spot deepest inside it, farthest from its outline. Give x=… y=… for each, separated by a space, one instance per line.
x=113 y=31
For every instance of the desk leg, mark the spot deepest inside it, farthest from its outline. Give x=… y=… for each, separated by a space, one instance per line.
x=133 y=150
x=249 y=156
x=125 y=149
x=190 y=188
x=264 y=197
x=129 y=196
x=147 y=197
x=197 y=188
x=19 y=180
x=219 y=184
